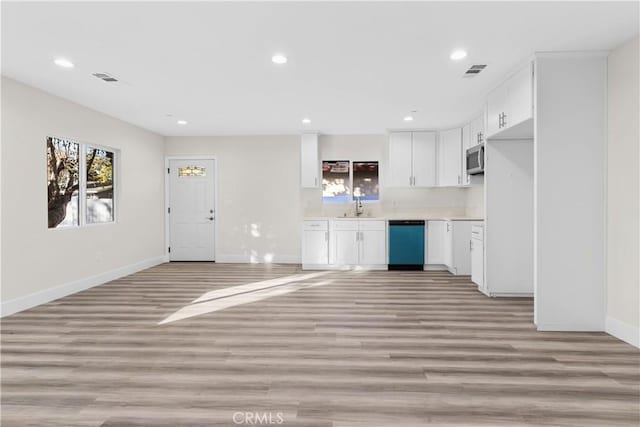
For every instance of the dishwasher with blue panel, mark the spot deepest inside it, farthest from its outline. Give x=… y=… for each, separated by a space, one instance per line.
x=406 y=244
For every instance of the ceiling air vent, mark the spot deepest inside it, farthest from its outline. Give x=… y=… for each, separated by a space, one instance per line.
x=474 y=70
x=105 y=77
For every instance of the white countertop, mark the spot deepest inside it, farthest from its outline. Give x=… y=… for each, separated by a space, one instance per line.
x=394 y=217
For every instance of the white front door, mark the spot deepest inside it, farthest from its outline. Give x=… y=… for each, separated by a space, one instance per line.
x=191 y=210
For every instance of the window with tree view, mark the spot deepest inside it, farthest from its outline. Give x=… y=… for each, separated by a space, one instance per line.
x=99 y=194
x=80 y=184
x=365 y=180
x=63 y=161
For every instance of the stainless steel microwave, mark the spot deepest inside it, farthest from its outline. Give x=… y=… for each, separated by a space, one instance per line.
x=475 y=160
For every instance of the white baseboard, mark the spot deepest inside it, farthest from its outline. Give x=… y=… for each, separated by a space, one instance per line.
x=42 y=297
x=569 y=327
x=435 y=267
x=248 y=259
x=623 y=331
x=341 y=267
x=511 y=294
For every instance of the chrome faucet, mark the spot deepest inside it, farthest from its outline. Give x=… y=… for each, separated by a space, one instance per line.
x=359 y=210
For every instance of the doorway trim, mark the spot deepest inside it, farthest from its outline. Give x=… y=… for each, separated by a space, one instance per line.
x=167 y=196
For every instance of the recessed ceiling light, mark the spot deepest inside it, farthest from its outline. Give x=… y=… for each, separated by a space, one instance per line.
x=306 y=121
x=63 y=62
x=457 y=55
x=279 y=59
x=182 y=122
x=408 y=118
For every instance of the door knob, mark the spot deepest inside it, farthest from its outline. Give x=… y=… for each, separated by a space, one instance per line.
x=210 y=218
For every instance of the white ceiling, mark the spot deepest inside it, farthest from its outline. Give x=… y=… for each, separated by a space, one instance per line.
x=353 y=67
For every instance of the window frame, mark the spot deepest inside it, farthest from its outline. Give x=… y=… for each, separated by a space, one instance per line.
x=82 y=183
x=352 y=197
x=338 y=200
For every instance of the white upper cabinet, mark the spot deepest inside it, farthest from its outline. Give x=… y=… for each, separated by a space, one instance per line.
x=450 y=158
x=511 y=104
x=477 y=131
x=466 y=144
x=309 y=161
x=496 y=105
x=400 y=159
x=412 y=159
x=520 y=97
x=424 y=159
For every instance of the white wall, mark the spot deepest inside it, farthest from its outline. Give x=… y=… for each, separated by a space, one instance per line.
x=508 y=237
x=569 y=191
x=260 y=202
x=258 y=210
x=40 y=263
x=623 y=189
x=474 y=205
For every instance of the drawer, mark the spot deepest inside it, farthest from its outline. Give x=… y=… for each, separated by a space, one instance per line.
x=348 y=224
x=372 y=225
x=315 y=225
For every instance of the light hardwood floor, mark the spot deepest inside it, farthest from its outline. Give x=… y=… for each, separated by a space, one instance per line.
x=360 y=349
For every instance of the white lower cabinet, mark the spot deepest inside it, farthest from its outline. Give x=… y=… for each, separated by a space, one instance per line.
x=373 y=247
x=435 y=253
x=315 y=243
x=477 y=255
x=358 y=243
x=448 y=246
x=344 y=243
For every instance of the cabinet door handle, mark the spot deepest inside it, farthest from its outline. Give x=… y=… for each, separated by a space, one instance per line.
x=315 y=181
x=504 y=120
x=326 y=236
x=470 y=245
